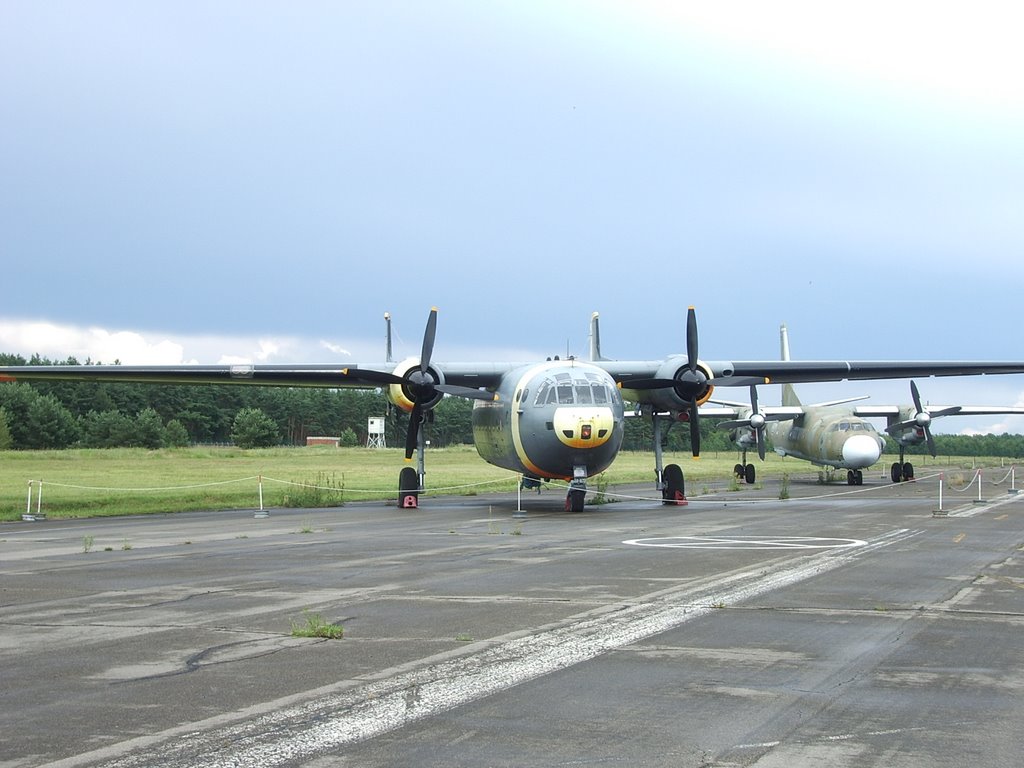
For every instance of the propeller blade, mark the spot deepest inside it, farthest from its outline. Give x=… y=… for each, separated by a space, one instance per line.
x=378 y=377
x=694 y=429
x=758 y=430
x=412 y=436
x=691 y=339
x=916 y=397
x=467 y=392
x=734 y=424
x=428 y=340
x=648 y=383
x=930 y=441
x=947 y=411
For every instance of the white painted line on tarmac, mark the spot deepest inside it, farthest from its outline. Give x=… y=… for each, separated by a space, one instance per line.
x=746 y=542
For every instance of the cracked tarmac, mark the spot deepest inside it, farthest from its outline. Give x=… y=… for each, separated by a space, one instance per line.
x=477 y=638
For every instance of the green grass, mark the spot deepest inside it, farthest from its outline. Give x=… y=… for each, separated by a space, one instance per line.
x=316 y=626
x=87 y=483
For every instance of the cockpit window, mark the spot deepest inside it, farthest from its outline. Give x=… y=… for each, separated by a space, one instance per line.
x=566 y=389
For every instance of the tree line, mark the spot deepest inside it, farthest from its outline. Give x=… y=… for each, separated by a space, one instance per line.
x=93 y=414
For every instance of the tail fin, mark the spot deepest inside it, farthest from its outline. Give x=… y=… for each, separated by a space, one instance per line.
x=789 y=397
x=595 y=338
x=387 y=338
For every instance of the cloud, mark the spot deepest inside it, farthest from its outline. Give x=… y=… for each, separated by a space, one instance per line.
x=335 y=348
x=58 y=342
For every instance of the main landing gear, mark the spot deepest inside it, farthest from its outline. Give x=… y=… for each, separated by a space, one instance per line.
x=408 y=488
x=901 y=470
x=669 y=480
x=744 y=471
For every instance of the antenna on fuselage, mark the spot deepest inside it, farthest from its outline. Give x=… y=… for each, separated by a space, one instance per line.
x=387 y=325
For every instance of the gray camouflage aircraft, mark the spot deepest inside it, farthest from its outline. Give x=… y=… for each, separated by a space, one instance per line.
x=547 y=420
x=834 y=435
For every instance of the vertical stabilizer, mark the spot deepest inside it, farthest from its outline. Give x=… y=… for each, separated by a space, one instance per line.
x=789 y=397
x=387 y=324
x=595 y=338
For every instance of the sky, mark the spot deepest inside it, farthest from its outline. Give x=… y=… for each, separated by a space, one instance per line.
x=223 y=181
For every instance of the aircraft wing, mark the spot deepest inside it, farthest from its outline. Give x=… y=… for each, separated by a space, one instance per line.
x=798 y=371
x=329 y=376
x=488 y=375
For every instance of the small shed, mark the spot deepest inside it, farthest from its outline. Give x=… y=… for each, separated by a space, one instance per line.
x=321 y=440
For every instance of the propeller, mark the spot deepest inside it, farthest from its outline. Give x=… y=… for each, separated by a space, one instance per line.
x=420 y=385
x=922 y=418
x=688 y=384
x=756 y=421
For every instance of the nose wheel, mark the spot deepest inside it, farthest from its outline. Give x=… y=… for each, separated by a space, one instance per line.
x=854 y=477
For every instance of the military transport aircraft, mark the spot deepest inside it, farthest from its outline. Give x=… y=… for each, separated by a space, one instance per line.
x=548 y=420
x=832 y=434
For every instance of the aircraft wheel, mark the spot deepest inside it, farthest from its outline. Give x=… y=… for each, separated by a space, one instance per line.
x=575 y=500
x=908 y=471
x=851 y=477
x=408 y=488
x=749 y=473
x=738 y=470
x=674 y=491
x=896 y=472
x=858 y=477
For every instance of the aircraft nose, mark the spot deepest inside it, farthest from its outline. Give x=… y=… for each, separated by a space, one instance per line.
x=860 y=451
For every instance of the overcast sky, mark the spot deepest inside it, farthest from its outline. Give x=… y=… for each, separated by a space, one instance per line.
x=215 y=181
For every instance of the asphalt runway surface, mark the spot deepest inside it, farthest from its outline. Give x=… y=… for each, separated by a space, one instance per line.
x=839 y=627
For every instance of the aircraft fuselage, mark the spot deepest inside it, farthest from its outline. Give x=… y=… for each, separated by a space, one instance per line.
x=829 y=437
x=554 y=420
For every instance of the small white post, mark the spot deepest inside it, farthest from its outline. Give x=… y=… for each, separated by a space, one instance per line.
x=28 y=505
x=519 y=498
x=261 y=512
x=1013 y=479
x=940 y=512
x=39 y=502
x=979 y=486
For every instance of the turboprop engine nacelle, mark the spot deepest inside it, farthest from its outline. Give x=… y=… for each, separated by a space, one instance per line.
x=401 y=396
x=677 y=397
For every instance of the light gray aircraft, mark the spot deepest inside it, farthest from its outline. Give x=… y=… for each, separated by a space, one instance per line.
x=833 y=434
x=548 y=420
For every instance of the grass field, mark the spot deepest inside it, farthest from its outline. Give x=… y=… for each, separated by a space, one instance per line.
x=87 y=483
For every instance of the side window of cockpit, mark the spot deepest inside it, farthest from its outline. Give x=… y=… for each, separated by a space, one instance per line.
x=542 y=393
x=600 y=392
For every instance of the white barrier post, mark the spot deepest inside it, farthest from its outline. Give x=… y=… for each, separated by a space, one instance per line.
x=1013 y=477
x=940 y=512
x=39 y=503
x=519 y=498
x=28 y=506
x=979 y=500
x=261 y=512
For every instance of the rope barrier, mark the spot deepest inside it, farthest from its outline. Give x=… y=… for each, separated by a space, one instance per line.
x=154 y=488
x=592 y=492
